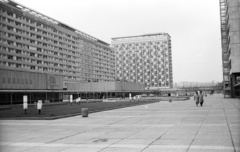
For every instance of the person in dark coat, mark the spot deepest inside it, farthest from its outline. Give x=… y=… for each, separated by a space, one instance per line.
x=201 y=98
x=196 y=98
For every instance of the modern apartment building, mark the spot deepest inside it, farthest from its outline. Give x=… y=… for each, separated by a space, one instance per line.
x=230 y=37
x=33 y=45
x=144 y=59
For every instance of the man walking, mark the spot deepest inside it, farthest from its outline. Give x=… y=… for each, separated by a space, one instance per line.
x=201 y=98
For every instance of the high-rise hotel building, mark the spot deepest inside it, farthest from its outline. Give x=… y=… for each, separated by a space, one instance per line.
x=230 y=36
x=33 y=45
x=144 y=59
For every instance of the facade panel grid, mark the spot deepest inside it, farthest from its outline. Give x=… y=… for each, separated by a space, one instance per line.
x=30 y=41
x=230 y=38
x=144 y=59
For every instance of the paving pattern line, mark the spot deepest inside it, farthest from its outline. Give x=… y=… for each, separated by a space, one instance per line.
x=125 y=137
x=161 y=135
x=92 y=125
x=95 y=125
x=228 y=126
x=197 y=147
x=238 y=108
x=198 y=129
x=211 y=147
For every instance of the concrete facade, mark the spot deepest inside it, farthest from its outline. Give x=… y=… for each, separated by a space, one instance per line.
x=20 y=80
x=32 y=42
x=106 y=86
x=144 y=59
x=230 y=32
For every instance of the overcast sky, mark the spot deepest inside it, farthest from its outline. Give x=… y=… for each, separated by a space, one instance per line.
x=194 y=27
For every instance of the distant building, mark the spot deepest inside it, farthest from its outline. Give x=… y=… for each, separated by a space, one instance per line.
x=230 y=37
x=196 y=84
x=144 y=59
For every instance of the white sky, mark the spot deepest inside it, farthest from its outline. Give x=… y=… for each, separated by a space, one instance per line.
x=194 y=26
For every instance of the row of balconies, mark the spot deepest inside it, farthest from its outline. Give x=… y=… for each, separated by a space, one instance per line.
x=33 y=60
x=32 y=67
x=33 y=23
x=54 y=56
x=13 y=29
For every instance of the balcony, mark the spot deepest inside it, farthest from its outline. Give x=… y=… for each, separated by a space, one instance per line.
x=225 y=64
x=226 y=72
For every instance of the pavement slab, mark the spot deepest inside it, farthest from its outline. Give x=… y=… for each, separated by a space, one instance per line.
x=177 y=126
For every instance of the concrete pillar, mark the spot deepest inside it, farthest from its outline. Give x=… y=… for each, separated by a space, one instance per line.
x=233 y=83
x=59 y=96
x=11 y=97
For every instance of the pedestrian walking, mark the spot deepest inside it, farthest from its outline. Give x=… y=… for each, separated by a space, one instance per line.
x=196 y=98
x=201 y=98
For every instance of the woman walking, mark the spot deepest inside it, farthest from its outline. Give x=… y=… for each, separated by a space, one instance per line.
x=196 y=98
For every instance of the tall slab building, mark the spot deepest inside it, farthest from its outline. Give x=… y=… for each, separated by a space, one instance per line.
x=144 y=59
x=230 y=36
x=37 y=51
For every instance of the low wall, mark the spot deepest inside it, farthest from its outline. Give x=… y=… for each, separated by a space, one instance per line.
x=105 y=86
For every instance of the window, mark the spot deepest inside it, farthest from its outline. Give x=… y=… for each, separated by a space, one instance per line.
x=18 y=17
x=10 y=28
x=18 y=65
x=3 y=80
x=32 y=54
x=18 y=51
x=3 y=10
x=39 y=24
x=10 y=14
x=32 y=22
x=32 y=28
x=32 y=41
x=10 y=57
x=32 y=67
x=18 y=23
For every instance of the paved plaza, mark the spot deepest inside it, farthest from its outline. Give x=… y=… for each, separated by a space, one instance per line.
x=160 y=127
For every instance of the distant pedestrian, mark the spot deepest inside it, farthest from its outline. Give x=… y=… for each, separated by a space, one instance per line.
x=196 y=98
x=201 y=98
x=78 y=100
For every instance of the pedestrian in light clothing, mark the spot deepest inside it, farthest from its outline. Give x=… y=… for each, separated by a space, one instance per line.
x=201 y=98
x=196 y=98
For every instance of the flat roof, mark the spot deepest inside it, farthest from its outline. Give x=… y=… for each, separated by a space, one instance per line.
x=85 y=91
x=145 y=35
x=49 y=19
